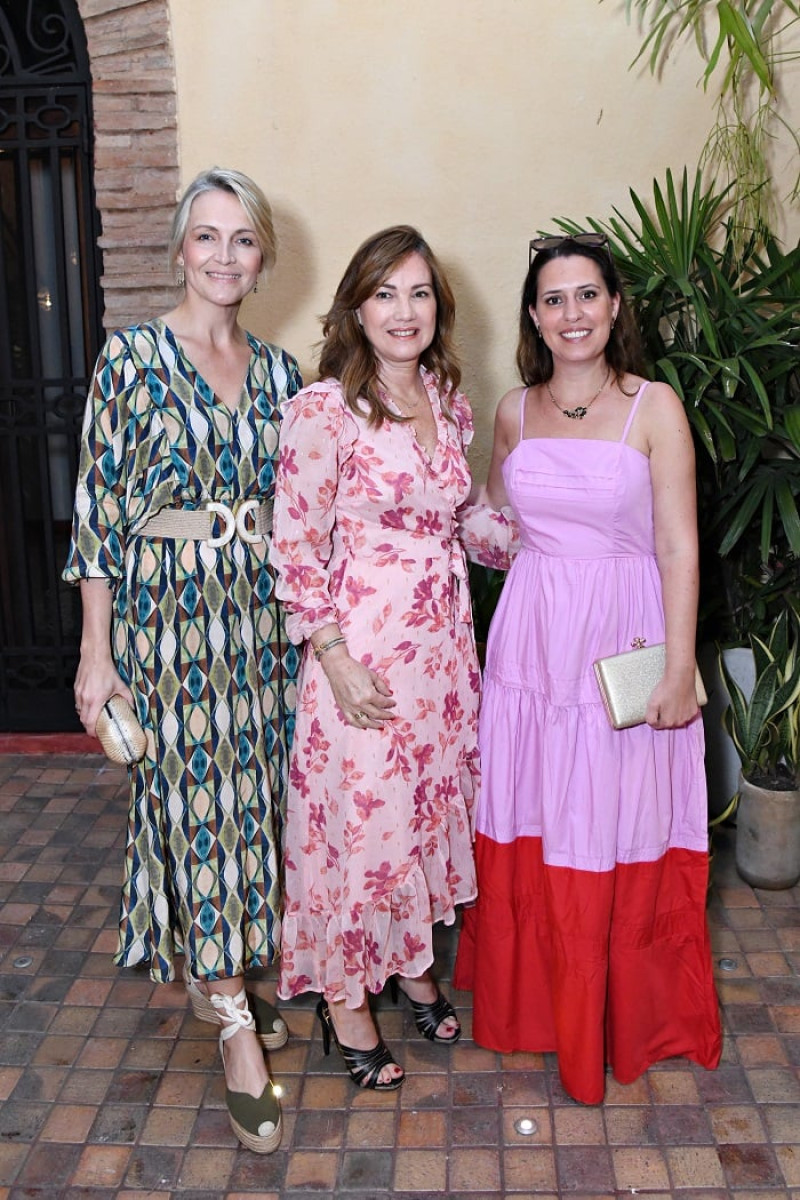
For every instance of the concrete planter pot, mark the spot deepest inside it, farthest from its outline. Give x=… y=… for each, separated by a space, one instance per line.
x=768 y=836
x=722 y=759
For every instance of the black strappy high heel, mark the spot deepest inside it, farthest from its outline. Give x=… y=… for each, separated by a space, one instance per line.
x=363 y=1066
x=428 y=1017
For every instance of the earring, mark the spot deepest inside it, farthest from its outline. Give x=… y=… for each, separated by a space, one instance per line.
x=255 y=288
x=613 y=323
x=181 y=279
x=538 y=331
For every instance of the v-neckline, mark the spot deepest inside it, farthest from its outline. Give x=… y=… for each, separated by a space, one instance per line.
x=428 y=459
x=216 y=401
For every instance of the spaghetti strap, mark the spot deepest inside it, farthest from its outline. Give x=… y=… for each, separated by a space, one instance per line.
x=522 y=400
x=632 y=413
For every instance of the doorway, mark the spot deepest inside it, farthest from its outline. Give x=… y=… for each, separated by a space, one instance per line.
x=50 y=332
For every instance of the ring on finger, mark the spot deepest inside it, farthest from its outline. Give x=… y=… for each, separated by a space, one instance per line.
x=360 y=716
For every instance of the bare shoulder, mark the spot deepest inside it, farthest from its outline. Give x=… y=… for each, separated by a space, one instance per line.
x=661 y=412
x=659 y=400
x=508 y=407
x=506 y=425
x=506 y=422
x=659 y=395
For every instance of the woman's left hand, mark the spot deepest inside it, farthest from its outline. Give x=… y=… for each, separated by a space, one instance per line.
x=361 y=694
x=672 y=704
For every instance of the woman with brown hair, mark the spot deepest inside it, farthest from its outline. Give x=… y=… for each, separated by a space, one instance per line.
x=589 y=936
x=373 y=579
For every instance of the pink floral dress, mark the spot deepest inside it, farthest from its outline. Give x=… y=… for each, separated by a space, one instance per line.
x=377 y=839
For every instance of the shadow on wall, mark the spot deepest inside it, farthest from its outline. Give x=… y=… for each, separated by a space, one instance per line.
x=473 y=339
x=290 y=286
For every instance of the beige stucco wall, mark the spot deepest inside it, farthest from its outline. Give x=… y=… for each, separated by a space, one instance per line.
x=477 y=120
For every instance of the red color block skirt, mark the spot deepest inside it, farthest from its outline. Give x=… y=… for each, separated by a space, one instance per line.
x=610 y=967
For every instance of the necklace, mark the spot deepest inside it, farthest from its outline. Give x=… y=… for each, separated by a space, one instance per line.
x=406 y=404
x=577 y=414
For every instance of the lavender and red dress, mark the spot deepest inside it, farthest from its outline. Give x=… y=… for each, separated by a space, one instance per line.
x=589 y=936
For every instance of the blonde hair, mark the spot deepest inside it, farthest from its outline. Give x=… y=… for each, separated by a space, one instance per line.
x=249 y=195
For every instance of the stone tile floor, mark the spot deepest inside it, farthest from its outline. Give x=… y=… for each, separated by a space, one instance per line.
x=110 y=1088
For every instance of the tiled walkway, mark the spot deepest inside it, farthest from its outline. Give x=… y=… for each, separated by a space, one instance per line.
x=111 y=1089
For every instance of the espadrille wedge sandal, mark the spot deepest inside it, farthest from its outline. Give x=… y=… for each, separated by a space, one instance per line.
x=256 y=1120
x=271 y=1029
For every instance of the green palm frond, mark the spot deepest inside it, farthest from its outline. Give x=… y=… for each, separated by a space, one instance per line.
x=744 y=47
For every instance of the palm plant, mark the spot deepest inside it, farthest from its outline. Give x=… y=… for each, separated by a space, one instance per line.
x=722 y=326
x=754 y=40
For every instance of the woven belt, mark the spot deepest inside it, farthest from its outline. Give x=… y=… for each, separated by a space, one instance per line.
x=197 y=524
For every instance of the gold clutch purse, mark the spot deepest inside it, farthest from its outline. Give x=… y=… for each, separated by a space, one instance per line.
x=627 y=680
x=121 y=736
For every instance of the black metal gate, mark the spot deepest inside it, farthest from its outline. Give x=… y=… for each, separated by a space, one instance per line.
x=49 y=335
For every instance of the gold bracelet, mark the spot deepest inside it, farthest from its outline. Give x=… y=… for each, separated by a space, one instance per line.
x=320 y=650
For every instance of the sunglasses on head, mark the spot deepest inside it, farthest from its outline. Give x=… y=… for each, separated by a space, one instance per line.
x=552 y=243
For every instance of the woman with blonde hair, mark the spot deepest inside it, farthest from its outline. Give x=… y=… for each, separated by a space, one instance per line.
x=373 y=579
x=172 y=514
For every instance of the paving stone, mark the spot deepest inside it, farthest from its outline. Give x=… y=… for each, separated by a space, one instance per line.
x=113 y=1091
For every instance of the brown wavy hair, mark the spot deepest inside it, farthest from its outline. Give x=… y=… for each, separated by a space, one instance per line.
x=623 y=350
x=346 y=353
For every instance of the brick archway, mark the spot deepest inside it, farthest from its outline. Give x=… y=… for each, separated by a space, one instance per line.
x=135 y=151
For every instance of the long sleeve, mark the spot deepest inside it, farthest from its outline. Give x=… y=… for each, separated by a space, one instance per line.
x=489 y=536
x=315 y=434
x=97 y=548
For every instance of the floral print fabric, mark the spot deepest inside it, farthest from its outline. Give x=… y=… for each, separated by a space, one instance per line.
x=377 y=839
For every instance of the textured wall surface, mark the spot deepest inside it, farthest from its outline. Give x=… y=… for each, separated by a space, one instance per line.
x=136 y=151
x=479 y=122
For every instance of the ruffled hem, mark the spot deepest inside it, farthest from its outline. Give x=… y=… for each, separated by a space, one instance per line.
x=344 y=953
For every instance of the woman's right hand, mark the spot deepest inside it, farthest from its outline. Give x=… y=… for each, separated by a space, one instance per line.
x=362 y=696
x=96 y=681
x=97 y=678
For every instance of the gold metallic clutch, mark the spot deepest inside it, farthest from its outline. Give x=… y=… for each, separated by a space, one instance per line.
x=121 y=736
x=627 y=681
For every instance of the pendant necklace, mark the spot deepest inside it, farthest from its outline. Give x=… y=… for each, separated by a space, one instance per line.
x=578 y=413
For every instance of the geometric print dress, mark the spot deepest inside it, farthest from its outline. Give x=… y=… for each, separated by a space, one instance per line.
x=198 y=635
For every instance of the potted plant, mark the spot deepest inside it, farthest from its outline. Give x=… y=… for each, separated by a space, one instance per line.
x=721 y=325
x=765 y=728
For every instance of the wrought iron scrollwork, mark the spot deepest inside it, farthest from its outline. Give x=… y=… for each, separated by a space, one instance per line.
x=49 y=333
x=36 y=40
